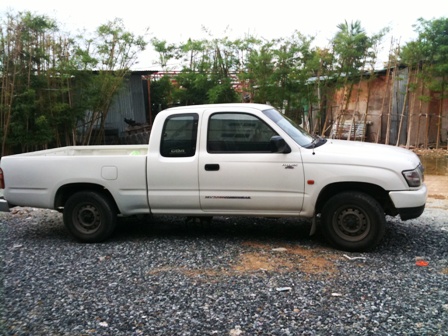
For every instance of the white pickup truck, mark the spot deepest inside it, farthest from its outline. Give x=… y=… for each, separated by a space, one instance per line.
x=227 y=159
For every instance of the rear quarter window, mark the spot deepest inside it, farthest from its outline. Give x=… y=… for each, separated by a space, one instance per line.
x=179 y=136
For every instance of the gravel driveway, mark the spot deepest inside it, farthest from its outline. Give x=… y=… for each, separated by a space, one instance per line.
x=233 y=276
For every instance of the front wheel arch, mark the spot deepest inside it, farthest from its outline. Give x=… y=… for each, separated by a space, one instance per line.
x=353 y=221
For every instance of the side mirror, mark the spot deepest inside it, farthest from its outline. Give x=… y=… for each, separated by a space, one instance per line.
x=279 y=145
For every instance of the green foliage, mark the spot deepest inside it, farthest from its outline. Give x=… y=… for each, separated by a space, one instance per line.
x=116 y=47
x=166 y=51
x=207 y=74
x=192 y=88
x=222 y=93
x=161 y=94
x=350 y=46
x=30 y=127
x=26 y=86
x=430 y=52
x=278 y=71
x=260 y=72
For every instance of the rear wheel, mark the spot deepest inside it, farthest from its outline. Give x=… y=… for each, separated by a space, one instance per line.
x=90 y=216
x=353 y=221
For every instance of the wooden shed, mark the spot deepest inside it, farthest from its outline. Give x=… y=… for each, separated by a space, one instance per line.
x=391 y=107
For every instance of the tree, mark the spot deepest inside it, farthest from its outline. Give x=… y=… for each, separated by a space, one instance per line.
x=260 y=72
x=26 y=44
x=278 y=71
x=161 y=94
x=350 y=46
x=354 y=53
x=292 y=71
x=166 y=51
x=115 y=50
x=209 y=72
x=430 y=51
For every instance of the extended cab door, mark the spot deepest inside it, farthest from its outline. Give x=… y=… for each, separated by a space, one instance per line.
x=239 y=173
x=172 y=167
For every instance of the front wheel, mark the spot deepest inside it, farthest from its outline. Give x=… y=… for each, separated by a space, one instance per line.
x=353 y=221
x=90 y=216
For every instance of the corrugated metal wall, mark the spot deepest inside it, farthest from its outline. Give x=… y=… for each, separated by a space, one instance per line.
x=129 y=103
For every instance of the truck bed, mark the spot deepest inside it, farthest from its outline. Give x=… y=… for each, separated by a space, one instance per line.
x=110 y=150
x=121 y=169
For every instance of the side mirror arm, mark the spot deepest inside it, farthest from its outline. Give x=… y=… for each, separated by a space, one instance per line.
x=279 y=145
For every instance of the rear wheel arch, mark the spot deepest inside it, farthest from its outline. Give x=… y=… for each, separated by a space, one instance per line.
x=66 y=191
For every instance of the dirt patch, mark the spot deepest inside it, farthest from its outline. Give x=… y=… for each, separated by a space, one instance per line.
x=287 y=259
x=267 y=258
x=432 y=153
x=441 y=197
x=255 y=262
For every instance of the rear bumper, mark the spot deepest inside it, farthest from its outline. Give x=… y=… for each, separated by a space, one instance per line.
x=4 y=205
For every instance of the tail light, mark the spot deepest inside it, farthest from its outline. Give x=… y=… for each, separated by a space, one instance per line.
x=2 y=180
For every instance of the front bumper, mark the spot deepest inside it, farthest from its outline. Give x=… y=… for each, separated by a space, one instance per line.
x=409 y=213
x=410 y=204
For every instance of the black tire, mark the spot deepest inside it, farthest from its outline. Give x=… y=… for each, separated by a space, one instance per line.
x=90 y=216
x=353 y=221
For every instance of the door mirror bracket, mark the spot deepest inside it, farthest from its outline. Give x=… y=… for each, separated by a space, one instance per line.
x=279 y=145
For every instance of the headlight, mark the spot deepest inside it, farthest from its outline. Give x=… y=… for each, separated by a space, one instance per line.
x=414 y=177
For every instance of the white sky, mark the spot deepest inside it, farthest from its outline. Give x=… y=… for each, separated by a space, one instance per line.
x=177 y=20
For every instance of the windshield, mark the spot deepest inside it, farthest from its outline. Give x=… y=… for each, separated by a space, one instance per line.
x=302 y=137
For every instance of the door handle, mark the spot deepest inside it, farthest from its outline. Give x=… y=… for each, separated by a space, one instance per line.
x=212 y=167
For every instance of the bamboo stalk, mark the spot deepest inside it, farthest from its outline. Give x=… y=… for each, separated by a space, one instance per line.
x=353 y=124
x=419 y=114
x=380 y=124
x=340 y=113
x=428 y=119
x=411 y=114
x=439 y=121
x=403 y=109
x=395 y=76
x=352 y=127
x=364 y=129
x=326 y=127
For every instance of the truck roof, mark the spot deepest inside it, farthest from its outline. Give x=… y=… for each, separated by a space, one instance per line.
x=260 y=107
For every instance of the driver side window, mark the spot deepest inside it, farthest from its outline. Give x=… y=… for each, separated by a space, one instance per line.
x=238 y=133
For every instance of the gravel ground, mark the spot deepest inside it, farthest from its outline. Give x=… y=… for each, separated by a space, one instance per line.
x=233 y=276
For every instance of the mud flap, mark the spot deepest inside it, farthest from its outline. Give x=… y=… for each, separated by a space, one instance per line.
x=313 y=226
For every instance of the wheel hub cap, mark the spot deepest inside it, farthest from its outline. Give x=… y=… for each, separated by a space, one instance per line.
x=352 y=224
x=88 y=218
